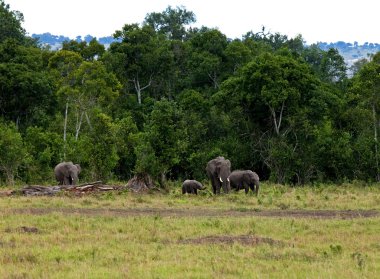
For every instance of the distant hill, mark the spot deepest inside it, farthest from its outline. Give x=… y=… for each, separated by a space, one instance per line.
x=55 y=42
x=350 y=52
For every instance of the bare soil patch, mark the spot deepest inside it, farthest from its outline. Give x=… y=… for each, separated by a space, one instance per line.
x=23 y=229
x=248 y=240
x=202 y=212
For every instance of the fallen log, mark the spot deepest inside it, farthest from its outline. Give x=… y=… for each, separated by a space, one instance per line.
x=39 y=190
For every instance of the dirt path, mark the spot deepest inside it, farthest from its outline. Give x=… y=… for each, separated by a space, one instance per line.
x=201 y=212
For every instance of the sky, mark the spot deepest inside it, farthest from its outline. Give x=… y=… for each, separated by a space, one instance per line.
x=317 y=21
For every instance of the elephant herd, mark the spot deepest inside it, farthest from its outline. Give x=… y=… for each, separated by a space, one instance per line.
x=218 y=170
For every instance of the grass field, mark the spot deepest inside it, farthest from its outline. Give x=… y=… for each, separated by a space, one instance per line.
x=168 y=235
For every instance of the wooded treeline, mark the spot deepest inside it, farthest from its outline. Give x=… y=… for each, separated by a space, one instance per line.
x=166 y=98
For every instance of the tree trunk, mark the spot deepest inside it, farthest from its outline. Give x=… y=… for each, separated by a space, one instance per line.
x=139 y=89
x=140 y=183
x=277 y=122
x=376 y=142
x=10 y=177
x=64 y=130
x=78 y=126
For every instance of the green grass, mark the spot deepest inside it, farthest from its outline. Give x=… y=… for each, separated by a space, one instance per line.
x=152 y=246
x=343 y=197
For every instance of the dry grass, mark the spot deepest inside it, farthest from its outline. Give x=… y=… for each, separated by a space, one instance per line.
x=75 y=245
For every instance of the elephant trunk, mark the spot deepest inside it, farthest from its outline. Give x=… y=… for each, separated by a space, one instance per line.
x=225 y=184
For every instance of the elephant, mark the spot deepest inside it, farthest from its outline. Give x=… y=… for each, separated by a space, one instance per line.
x=66 y=173
x=246 y=179
x=192 y=187
x=218 y=170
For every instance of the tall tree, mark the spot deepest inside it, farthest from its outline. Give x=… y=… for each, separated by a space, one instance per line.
x=206 y=58
x=12 y=151
x=136 y=59
x=25 y=86
x=366 y=88
x=271 y=91
x=171 y=22
x=10 y=24
x=89 y=51
x=163 y=139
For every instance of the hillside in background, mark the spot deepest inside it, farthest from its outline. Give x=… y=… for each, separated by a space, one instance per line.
x=55 y=41
x=351 y=52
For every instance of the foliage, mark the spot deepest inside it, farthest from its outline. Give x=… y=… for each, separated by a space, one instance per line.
x=165 y=98
x=12 y=151
x=10 y=23
x=44 y=149
x=101 y=151
x=171 y=22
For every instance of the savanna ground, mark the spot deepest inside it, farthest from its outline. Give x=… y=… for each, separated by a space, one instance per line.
x=304 y=232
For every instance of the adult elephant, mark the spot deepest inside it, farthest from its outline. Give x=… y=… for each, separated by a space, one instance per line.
x=218 y=170
x=246 y=179
x=67 y=173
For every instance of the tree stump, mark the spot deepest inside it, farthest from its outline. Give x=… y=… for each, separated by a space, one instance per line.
x=140 y=183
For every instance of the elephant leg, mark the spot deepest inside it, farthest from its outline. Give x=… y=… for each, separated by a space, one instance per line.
x=246 y=188
x=196 y=191
x=218 y=189
x=252 y=186
x=67 y=180
x=214 y=189
x=215 y=184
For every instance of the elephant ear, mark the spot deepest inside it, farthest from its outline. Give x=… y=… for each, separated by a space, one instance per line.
x=78 y=167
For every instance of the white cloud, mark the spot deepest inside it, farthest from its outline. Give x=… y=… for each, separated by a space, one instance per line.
x=323 y=20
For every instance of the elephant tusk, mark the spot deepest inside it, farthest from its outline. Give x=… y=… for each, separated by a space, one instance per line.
x=228 y=179
x=221 y=180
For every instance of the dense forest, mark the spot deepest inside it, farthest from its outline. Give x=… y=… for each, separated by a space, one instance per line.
x=165 y=98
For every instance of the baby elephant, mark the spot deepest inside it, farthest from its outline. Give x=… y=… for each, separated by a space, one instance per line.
x=191 y=187
x=246 y=179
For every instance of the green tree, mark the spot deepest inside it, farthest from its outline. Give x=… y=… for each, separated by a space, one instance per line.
x=207 y=58
x=25 y=87
x=163 y=137
x=92 y=87
x=366 y=96
x=101 y=151
x=125 y=136
x=137 y=59
x=44 y=148
x=89 y=52
x=238 y=54
x=328 y=65
x=83 y=85
x=171 y=22
x=62 y=65
x=195 y=133
x=10 y=24
x=12 y=151
x=265 y=100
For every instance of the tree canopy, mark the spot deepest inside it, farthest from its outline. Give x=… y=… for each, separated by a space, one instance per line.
x=165 y=98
